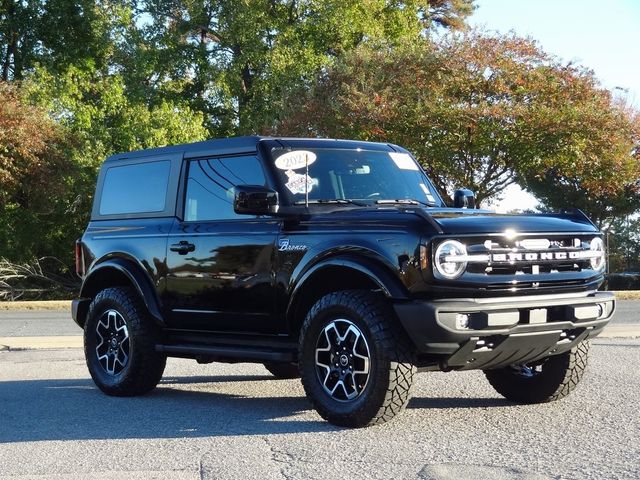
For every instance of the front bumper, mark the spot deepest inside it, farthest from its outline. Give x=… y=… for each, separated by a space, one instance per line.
x=483 y=333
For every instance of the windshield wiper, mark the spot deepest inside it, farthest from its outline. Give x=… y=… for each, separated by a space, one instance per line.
x=405 y=201
x=334 y=201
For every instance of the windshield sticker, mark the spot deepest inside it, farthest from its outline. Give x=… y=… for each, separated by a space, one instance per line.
x=296 y=159
x=427 y=193
x=296 y=183
x=404 y=161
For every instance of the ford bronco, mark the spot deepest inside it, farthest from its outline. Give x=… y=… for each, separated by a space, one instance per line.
x=333 y=260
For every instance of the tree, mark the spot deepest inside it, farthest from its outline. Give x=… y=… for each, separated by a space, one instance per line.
x=48 y=168
x=18 y=42
x=234 y=60
x=35 y=174
x=596 y=164
x=478 y=111
x=624 y=244
x=58 y=33
x=27 y=137
x=93 y=107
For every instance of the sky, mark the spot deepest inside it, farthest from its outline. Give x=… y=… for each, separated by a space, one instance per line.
x=603 y=36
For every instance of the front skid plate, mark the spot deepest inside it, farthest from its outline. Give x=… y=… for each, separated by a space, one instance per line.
x=481 y=353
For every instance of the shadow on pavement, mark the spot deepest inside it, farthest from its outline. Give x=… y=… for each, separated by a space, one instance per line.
x=215 y=379
x=452 y=402
x=34 y=410
x=77 y=410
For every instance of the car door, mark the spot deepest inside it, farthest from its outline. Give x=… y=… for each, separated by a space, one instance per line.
x=220 y=265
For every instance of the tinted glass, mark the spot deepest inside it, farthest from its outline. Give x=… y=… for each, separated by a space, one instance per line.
x=139 y=188
x=365 y=176
x=210 y=185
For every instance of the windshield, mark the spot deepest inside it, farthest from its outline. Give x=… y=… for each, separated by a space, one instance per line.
x=353 y=176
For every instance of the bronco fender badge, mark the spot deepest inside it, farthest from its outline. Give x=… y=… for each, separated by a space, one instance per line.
x=285 y=246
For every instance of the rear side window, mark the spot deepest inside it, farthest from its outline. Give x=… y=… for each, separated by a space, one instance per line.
x=210 y=185
x=137 y=188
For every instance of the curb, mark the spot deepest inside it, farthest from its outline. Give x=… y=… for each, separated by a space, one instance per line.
x=37 y=305
x=40 y=343
x=620 y=331
x=627 y=294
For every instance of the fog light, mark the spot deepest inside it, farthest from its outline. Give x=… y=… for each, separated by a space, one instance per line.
x=462 y=321
x=602 y=310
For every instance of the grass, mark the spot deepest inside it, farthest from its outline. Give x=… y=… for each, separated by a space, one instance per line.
x=628 y=294
x=37 y=305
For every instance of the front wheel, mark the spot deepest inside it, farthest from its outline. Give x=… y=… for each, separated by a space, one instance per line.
x=544 y=381
x=356 y=363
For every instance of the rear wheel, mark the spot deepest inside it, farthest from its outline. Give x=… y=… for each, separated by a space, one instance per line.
x=544 y=381
x=119 y=344
x=356 y=363
x=283 y=370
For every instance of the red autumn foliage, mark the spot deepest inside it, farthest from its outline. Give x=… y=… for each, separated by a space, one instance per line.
x=480 y=111
x=31 y=145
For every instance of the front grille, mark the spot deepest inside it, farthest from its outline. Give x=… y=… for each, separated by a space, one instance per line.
x=530 y=256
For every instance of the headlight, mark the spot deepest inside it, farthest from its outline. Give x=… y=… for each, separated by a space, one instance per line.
x=597 y=261
x=450 y=259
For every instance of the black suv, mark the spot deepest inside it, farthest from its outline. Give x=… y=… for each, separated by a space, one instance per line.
x=333 y=260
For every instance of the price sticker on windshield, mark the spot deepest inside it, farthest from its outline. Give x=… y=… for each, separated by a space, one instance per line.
x=404 y=161
x=295 y=160
x=427 y=193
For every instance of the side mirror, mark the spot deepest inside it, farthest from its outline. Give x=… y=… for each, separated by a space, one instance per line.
x=464 y=198
x=255 y=200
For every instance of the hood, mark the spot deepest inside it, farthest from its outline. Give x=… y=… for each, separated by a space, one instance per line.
x=450 y=221
x=464 y=221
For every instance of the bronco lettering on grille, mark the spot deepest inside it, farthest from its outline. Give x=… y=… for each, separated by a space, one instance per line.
x=557 y=253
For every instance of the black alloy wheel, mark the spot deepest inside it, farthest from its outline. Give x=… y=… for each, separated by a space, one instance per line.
x=343 y=360
x=112 y=338
x=356 y=363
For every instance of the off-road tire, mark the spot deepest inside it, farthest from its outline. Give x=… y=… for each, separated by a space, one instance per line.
x=392 y=367
x=559 y=376
x=145 y=366
x=283 y=371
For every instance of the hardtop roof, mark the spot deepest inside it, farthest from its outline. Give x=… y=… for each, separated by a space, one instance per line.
x=247 y=144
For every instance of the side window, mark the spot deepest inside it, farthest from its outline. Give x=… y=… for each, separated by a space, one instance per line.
x=137 y=188
x=210 y=185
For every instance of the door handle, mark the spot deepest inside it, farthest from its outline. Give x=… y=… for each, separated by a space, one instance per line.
x=182 y=247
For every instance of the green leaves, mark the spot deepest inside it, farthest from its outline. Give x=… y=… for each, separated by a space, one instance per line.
x=236 y=61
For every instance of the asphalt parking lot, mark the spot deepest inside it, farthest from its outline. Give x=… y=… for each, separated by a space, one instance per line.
x=234 y=421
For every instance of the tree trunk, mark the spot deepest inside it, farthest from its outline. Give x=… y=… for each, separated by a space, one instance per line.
x=12 y=40
x=244 y=98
